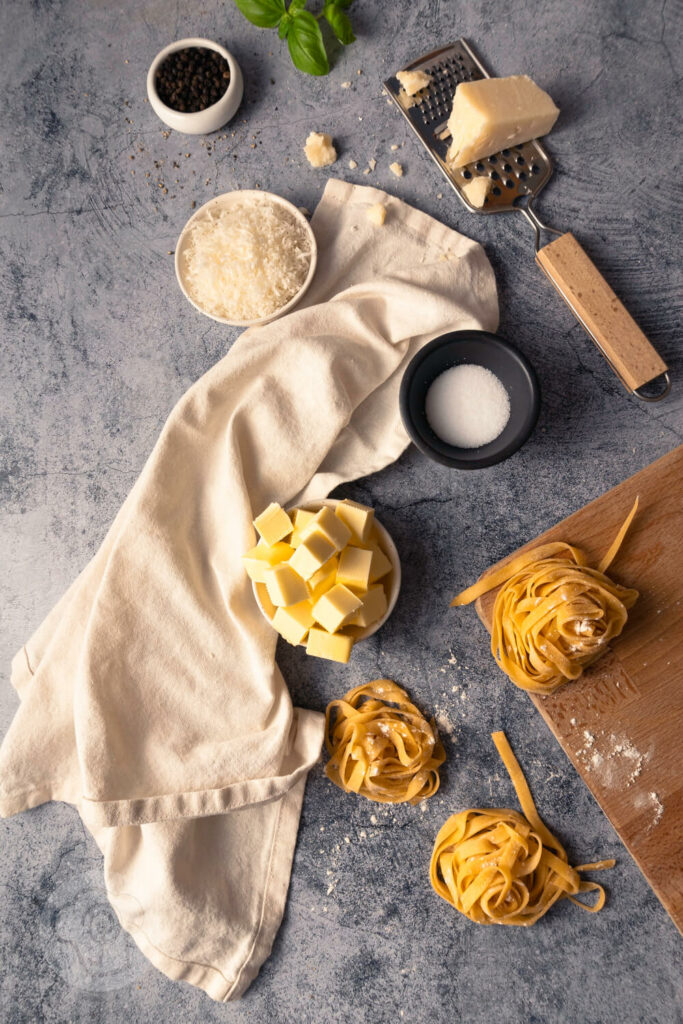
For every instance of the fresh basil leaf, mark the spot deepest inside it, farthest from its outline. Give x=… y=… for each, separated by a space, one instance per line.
x=306 y=47
x=344 y=4
x=296 y=5
x=339 y=23
x=284 y=26
x=264 y=13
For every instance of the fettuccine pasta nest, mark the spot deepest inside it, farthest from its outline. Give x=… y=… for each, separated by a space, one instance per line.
x=381 y=745
x=497 y=866
x=554 y=615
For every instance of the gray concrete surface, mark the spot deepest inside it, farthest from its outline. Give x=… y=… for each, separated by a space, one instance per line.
x=97 y=345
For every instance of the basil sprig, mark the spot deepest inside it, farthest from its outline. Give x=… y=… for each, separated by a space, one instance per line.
x=301 y=29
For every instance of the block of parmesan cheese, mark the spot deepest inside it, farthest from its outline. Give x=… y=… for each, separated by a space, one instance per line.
x=495 y=113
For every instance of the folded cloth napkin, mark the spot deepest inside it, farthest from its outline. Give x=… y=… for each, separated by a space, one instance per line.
x=150 y=697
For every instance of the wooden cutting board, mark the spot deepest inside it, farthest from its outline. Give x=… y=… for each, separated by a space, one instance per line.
x=621 y=723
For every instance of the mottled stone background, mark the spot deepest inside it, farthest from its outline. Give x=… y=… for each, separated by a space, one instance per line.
x=97 y=345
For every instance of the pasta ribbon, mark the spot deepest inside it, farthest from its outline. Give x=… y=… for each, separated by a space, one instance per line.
x=554 y=615
x=498 y=866
x=381 y=746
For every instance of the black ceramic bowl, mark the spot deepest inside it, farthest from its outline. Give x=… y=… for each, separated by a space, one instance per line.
x=482 y=349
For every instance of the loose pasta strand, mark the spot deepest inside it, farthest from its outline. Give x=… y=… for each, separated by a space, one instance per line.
x=497 y=866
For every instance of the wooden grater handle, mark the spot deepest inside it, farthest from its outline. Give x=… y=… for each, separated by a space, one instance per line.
x=601 y=313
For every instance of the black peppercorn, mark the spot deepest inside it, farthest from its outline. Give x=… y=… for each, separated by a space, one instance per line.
x=192 y=79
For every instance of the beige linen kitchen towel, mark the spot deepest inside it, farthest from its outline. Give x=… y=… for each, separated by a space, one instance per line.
x=150 y=697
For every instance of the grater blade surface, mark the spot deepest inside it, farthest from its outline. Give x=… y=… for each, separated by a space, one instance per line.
x=516 y=172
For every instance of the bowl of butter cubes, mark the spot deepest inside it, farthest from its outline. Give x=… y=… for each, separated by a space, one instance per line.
x=325 y=574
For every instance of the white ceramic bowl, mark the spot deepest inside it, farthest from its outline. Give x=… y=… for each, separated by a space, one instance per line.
x=203 y=121
x=219 y=203
x=392 y=581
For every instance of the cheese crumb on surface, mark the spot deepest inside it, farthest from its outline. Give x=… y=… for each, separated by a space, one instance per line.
x=394 y=148
x=319 y=149
x=372 y=163
x=353 y=165
x=377 y=214
x=396 y=169
x=413 y=81
x=247 y=260
x=346 y=85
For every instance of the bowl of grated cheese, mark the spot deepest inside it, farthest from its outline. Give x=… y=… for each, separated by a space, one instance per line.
x=246 y=257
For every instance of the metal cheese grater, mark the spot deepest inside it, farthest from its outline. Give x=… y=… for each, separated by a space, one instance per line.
x=518 y=175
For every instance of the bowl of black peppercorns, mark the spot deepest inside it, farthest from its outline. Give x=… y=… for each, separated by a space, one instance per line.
x=195 y=86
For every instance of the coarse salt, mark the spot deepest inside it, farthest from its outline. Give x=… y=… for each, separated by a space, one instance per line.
x=467 y=406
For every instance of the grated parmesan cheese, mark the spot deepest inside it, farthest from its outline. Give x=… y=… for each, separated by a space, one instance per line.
x=246 y=261
x=396 y=169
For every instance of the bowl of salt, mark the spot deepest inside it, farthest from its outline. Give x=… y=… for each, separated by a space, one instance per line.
x=469 y=399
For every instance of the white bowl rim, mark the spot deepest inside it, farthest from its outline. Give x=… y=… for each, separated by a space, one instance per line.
x=249 y=193
x=389 y=548
x=184 y=44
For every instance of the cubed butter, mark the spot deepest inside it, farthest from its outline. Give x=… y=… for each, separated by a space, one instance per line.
x=354 y=568
x=330 y=526
x=263 y=557
x=358 y=518
x=284 y=585
x=301 y=520
x=336 y=607
x=265 y=602
x=373 y=608
x=311 y=554
x=273 y=524
x=380 y=564
x=324 y=579
x=495 y=113
x=302 y=517
x=333 y=646
x=294 y=622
